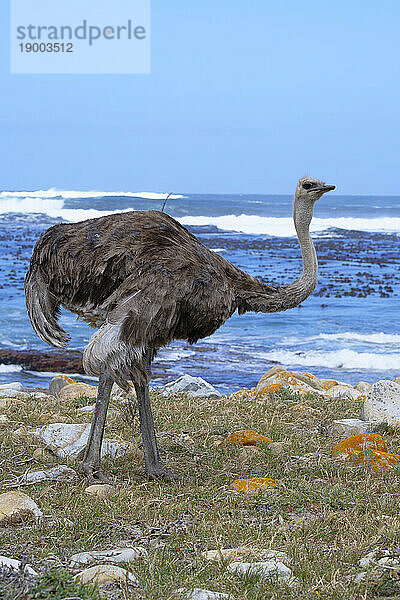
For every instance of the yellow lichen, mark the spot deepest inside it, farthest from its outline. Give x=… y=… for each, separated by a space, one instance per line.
x=327 y=384
x=366 y=448
x=246 y=438
x=253 y=485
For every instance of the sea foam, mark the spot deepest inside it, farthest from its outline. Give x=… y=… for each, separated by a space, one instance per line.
x=350 y=337
x=341 y=359
x=10 y=368
x=66 y=194
x=52 y=203
x=284 y=226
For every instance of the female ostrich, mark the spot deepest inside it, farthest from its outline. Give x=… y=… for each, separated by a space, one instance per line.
x=143 y=280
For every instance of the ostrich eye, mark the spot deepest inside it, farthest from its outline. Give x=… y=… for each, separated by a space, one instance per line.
x=307 y=185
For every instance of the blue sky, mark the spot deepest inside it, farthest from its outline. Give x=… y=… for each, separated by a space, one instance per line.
x=243 y=97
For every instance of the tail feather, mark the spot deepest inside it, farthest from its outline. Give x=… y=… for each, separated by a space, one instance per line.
x=43 y=308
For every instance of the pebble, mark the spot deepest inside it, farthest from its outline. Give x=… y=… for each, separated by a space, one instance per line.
x=343 y=391
x=41 y=454
x=24 y=432
x=15 y=385
x=201 y=594
x=89 y=409
x=62 y=472
x=101 y=490
x=233 y=554
x=3 y=419
x=349 y=427
x=264 y=569
x=386 y=559
x=106 y=574
x=13 y=563
x=117 y=555
x=16 y=507
x=277 y=448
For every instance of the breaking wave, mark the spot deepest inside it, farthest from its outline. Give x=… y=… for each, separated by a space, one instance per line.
x=351 y=336
x=68 y=194
x=284 y=227
x=370 y=338
x=52 y=203
x=10 y=368
x=341 y=359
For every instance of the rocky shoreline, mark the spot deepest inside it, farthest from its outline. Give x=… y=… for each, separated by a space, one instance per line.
x=61 y=430
x=59 y=361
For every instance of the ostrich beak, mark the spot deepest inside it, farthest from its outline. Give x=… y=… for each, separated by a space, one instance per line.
x=326 y=188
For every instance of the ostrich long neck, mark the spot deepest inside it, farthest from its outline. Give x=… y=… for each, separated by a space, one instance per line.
x=305 y=284
x=266 y=299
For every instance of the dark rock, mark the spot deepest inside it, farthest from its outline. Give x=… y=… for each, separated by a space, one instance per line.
x=60 y=361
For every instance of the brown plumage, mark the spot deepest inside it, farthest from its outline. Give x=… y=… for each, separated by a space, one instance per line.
x=143 y=280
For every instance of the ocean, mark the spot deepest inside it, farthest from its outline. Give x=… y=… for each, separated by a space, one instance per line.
x=347 y=330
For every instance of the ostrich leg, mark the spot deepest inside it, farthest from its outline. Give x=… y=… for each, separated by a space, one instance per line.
x=154 y=465
x=91 y=460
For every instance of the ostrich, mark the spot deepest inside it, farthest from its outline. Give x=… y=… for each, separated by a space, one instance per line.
x=143 y=280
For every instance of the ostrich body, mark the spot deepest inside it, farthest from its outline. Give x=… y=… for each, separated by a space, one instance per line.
x=142 y=280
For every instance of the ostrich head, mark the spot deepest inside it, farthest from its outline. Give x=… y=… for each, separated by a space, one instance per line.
x=311 y=189
x=308 y=191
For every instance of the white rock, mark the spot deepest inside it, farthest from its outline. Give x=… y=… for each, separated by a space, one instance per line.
x=117 y=555
x=65 y=439
x=15 y=564
x=290 y=380
x=118 y=393
x=200 y=594
x=362 y=386
x=194 y=386
x=13 y=394
x=114 y=449
x=382 y=403
x=349 y=427
x=343 y=391
x=57 y=383
x=25 y=431
x=233 y=554
x=68 y=440
x=87 y=409
x=15 y=385
x=101 y=490
x=62 y=472
x=386 y=560
x=105 y=575
x=16 y=505
x=369 y=558
x=72 y=391
x=359 y=578
x=3 y=419
x=264 y=569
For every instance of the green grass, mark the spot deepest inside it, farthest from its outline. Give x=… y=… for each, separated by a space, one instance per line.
x=324 y=514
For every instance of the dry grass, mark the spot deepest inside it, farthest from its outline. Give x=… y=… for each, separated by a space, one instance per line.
x=324 y=514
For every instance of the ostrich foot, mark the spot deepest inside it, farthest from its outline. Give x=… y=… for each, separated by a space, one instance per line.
x=94 y=475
